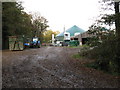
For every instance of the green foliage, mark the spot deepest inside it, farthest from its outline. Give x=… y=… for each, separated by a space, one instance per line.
x=16 y=22
x=105 y=45
x=77 y=56
x=47 y=35
x=93 y=41
x=105 y=56
x=108 y=19
x=73 y=46
x=39 y=24
x=104 y=50
x=92 y=65
x=100 y=34
x=84 y=50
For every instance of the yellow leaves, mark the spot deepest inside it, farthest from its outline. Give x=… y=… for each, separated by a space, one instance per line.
x=48 y=35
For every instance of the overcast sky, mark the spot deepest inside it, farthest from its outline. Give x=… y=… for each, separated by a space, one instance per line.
x=60 y=13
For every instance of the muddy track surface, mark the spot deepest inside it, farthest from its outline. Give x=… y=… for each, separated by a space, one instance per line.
x=51 y=67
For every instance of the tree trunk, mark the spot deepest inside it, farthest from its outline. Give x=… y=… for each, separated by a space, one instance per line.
x=117 y=25
x=117 y=19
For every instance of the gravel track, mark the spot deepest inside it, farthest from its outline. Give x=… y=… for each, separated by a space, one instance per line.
x=51 y=67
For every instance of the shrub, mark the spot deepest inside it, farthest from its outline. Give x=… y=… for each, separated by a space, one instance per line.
x=105 y=49
x=105 y=56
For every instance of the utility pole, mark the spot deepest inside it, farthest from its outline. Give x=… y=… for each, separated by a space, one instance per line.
x=53 y=39
x=64 y=29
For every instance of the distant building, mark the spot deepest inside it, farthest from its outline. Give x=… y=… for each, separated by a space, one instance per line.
x=83 y=37
x=76 y=33
x=69 y=34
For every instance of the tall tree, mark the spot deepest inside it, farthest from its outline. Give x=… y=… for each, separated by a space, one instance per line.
x=117 y=24
x=113 y=17
x=15 y=21
x=108 y=51
x=40 y=25
x=11 y=12
x=117 y=19
x=48 y=35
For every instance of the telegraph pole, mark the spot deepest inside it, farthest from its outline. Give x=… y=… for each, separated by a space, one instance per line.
x=64 y=29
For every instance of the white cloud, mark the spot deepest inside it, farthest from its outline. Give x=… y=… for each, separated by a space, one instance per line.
x=64 y=12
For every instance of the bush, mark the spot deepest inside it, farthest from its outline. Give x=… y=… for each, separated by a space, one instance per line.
x=105 y=56
x=84 y=51
x=76 y=56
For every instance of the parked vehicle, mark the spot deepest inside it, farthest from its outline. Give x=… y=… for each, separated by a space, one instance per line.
x=35 y=43
x=27 y=43
x=65 y=42
x=74 y=43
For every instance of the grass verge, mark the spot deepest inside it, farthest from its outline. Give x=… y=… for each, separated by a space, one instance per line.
x=94 y=65
x=76 y=56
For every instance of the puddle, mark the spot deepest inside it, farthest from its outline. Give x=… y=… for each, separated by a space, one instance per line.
x=40 y=57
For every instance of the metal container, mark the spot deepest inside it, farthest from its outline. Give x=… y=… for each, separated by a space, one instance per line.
x=74 y=43
x=16 y=43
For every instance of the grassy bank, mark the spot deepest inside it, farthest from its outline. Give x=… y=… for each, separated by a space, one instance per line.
x=104 y=59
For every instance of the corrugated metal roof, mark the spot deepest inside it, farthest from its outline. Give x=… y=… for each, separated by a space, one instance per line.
x=72 y=31
x=61 y=34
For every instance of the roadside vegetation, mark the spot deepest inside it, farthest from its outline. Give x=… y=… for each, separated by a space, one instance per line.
x=104 y=47
x=103 y=54
x=77 y=56
x=47 y=35
x=73 y=46
x=16 y=22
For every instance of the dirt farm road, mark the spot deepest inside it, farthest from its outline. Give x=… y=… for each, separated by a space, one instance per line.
x=51 y=67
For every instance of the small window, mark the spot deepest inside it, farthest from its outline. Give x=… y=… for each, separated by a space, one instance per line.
x=75 y=38
x=66 y=34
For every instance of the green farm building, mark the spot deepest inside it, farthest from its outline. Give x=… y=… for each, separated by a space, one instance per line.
x=73 y=31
